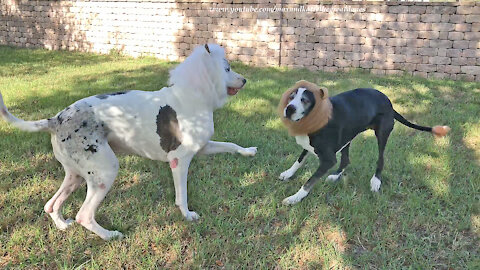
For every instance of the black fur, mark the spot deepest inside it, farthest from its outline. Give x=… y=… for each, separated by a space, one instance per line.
x=309 y=95
x=91 y=148
x=104 y=96
x=167 y=129
x=302 y=156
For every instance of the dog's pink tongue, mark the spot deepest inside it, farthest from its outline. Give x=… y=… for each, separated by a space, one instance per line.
x=174 y=163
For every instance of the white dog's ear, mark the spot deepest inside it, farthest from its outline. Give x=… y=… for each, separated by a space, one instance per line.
x=206 y=48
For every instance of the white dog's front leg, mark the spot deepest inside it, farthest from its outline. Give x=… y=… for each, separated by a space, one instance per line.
x=179 y=168
x=213 y=147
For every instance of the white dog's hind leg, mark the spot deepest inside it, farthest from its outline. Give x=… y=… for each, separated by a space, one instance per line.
x=54 y=206
x=180 y=174
x=99 y=174
x=213 y=147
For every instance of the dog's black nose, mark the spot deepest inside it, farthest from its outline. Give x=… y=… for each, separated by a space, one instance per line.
x=244 y=81
x=289 y=111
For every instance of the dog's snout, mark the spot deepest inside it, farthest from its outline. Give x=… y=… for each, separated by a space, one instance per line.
x=289 y=111
x=244 y=81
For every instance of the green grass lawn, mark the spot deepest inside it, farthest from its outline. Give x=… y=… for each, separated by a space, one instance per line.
x=426 y=216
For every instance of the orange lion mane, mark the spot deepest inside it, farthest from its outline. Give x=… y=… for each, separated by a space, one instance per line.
x=318 y=116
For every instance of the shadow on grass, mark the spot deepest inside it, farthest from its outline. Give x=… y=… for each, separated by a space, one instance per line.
x=239 y=198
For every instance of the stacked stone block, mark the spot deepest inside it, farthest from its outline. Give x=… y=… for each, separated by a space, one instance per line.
x=440 y=40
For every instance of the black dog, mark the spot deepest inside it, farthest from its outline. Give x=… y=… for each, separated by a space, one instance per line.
x=325 y=126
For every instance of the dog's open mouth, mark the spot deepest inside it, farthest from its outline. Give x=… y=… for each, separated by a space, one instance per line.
x=232 y=91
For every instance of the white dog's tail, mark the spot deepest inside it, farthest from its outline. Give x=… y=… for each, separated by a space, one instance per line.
x=31 y=126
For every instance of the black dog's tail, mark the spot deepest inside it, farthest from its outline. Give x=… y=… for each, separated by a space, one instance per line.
x=438 y=131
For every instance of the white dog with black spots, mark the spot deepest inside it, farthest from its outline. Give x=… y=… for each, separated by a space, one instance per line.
x=170 y=125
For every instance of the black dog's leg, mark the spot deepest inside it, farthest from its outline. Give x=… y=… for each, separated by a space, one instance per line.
x=344 y=161
x=382 y=132
x=326 y=163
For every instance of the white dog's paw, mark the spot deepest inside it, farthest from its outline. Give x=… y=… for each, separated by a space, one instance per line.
x=302 y=193
x=284 y=176
x=60 y=223
x=191 y=216
x=375 y=184
x=112 y=235
x=63 y=225
x=248 y=152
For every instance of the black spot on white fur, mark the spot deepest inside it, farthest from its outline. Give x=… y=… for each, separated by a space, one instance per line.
x=82 y=135
x=105 y=96
x=91 y=148
x=67 y=138
x=168 y=129
x=60 y=119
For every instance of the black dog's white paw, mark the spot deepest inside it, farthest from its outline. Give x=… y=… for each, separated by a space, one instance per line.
x=286 y=175
x=375 y=184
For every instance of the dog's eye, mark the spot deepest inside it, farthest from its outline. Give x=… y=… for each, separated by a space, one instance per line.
x=305 y=101
x=291 y=97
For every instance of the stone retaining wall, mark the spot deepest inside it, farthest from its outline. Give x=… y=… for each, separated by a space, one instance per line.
x=439 y=40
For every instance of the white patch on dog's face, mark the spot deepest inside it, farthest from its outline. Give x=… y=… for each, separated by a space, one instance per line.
x=299 y=105
x=235 y=81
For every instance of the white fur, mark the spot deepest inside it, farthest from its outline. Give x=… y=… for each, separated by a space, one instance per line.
x=222 y=147
x=375 y=184
x=297 y=104
x=292 y=170
x=301 y=193
x=248 y=152
x=304 y=141
x=194 y=78
x=334 y=177
x=31 y=126
x=199 y=86
x=343 y=147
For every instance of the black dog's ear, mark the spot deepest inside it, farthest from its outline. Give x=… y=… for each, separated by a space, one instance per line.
x=206 y=48
x=324 y=91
